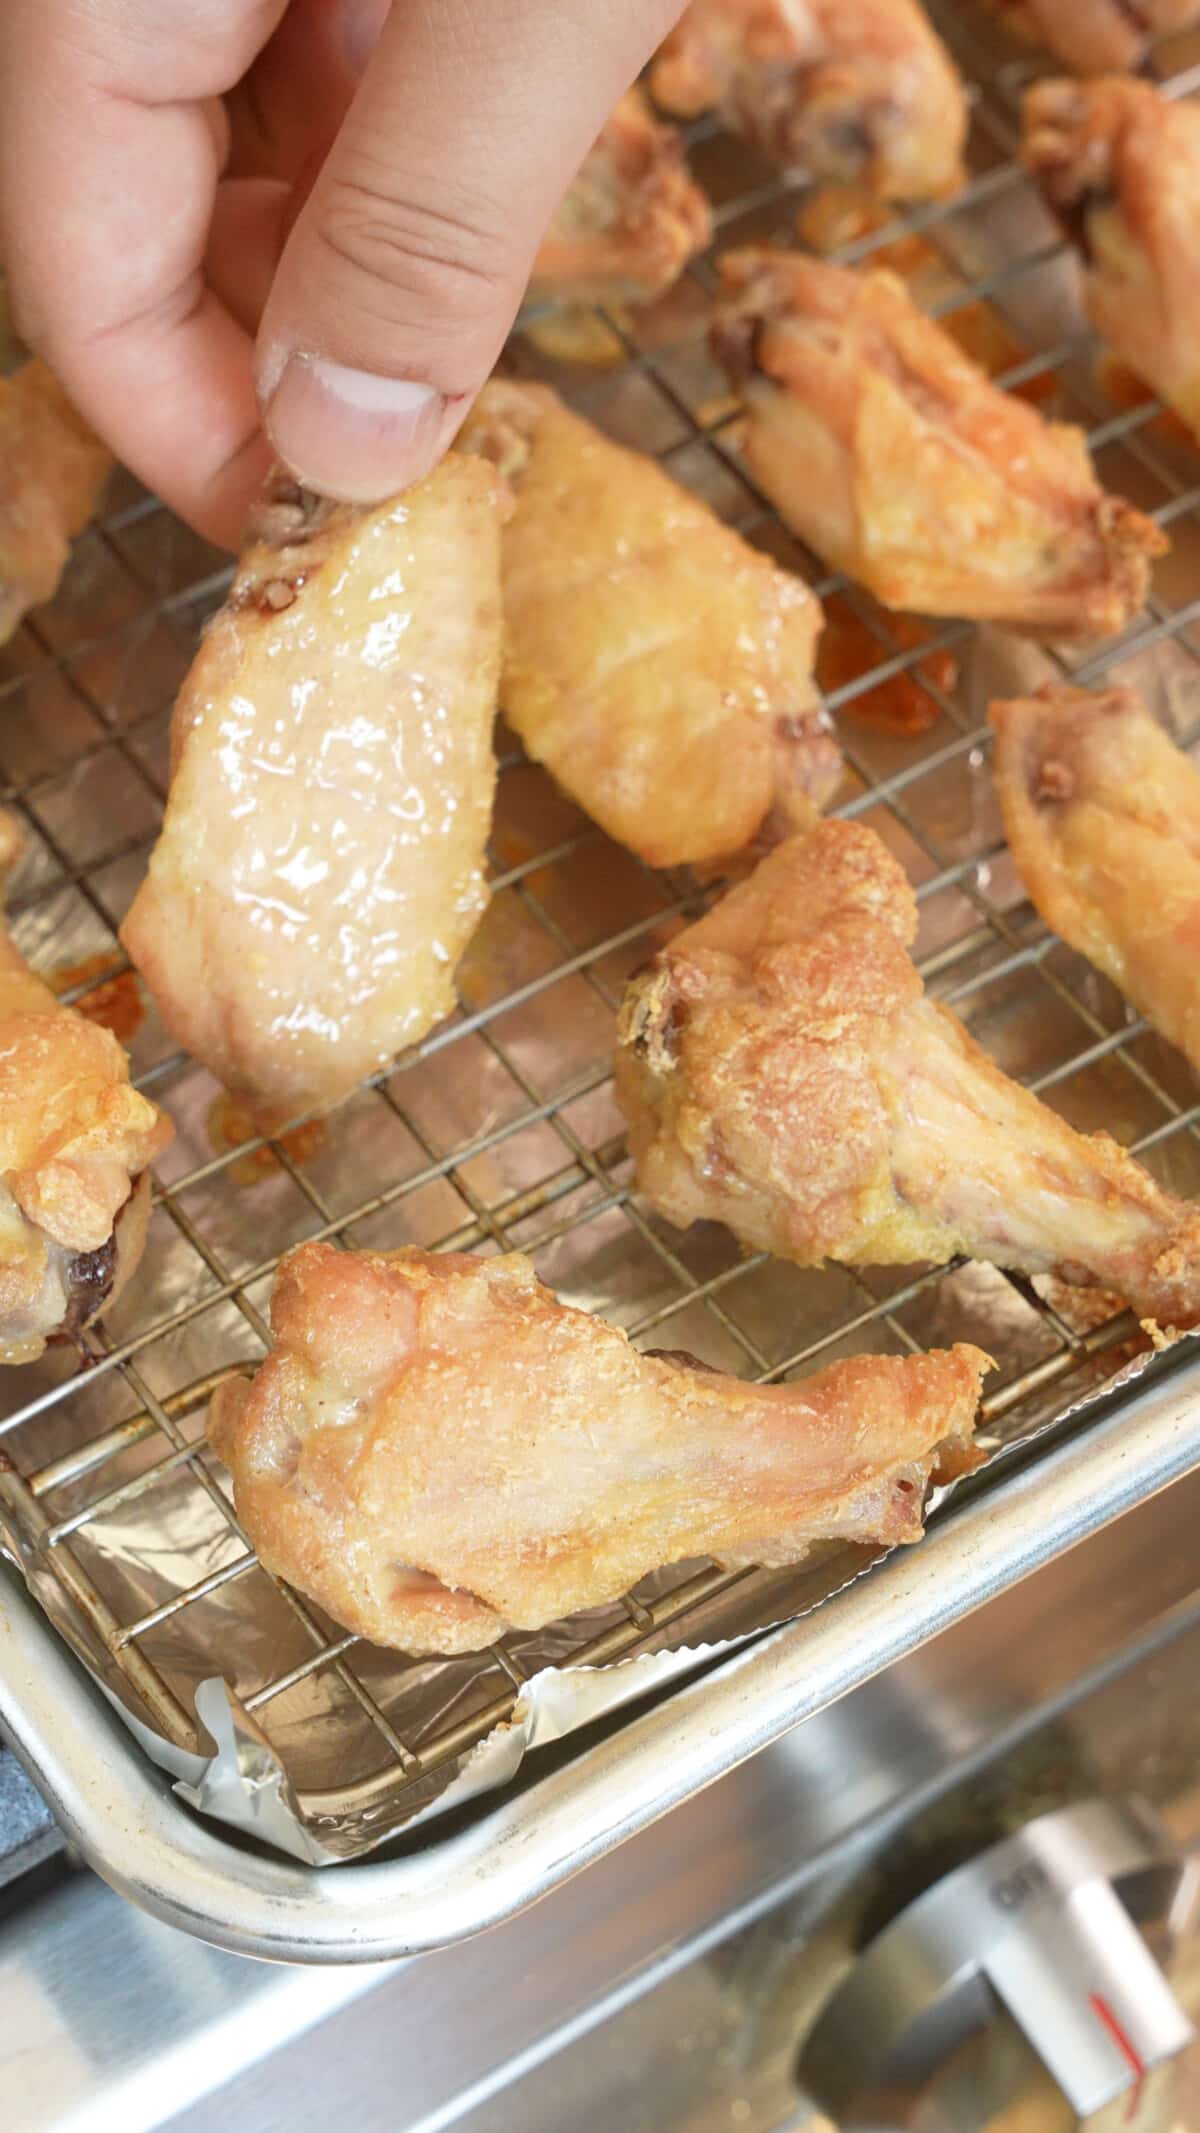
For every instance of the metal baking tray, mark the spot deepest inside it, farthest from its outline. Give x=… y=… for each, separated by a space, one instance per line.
x=500 y=1132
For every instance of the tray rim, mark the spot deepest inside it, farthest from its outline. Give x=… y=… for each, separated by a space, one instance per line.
x=121 y=1814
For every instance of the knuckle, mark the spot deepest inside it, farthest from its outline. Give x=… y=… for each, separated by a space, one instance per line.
x=441 y=258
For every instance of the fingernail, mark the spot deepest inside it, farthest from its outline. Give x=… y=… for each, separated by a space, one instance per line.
x=362 y=20
x=351 y=433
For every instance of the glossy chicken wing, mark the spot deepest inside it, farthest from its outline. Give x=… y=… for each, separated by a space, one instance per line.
x=52 y=470
x=320 y=866
x=782 y=1071
x=861 y=94
x=632 y=219
x=1120 y=163
x=658 y=666
x=894 y=456
x=437 y=1450
x=1097 y=36
x=1102 y=813
x=75 y=1142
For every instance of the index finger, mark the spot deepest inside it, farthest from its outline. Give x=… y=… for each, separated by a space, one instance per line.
x=109 y=161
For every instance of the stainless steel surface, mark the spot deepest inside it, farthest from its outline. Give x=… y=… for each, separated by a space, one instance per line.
x=500 y=1130
x=1046 y=1925
x=733 y=1909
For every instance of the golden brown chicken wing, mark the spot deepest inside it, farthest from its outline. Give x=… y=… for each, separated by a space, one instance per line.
x=75 y=1143
x=1097 y=36
x=437 y=1450
x=894 y=456
x=320 y=866
x=861 y=94
x=52 y=470
x=660 y=667
x=632 y=219
x=1121 y=164
x=1102 y=812
x=782 y=1071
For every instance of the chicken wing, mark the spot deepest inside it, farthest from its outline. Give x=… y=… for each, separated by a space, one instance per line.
x=1120 y=163
x=782 y=1071
x=52 y=470
x=319 y=870
x=1102 y=812
x=862 y=95
x=632 y=219
x=437 y=1450
x=1097 y=36
x=894 y=456
x=659 y=667
x=75 y=1143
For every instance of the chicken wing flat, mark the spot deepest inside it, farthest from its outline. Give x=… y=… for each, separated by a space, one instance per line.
x=52 y=470
x=1097 y=36
x=75 y=1143
x=861 y=95
x=1102 y=813
x=783 y=1072
x=632 y=219
x=438 y=1450
x=1120 y=163
x=658 y=666
x=894 y=456
x=320 y=866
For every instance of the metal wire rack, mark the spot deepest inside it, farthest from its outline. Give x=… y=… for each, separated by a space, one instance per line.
x=499 y=1131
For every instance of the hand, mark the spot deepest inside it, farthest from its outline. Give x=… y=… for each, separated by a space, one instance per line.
x=365 y=188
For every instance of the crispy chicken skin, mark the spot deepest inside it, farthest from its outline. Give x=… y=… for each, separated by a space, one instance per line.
x=1102 y=813
x=1097 y=36
x=782 y=1071
x=52 y=470
x=1120 y=163
x=894 y=456
x=320 y=866
x=658 y=666
x=438 y=1450
x=861 y=94
x=632 y=219
x=75 y=1142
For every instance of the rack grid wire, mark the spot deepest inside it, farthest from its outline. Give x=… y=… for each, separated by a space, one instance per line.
x=499 y=1132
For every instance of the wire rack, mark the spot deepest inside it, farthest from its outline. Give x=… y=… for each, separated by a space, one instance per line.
x=499 y=1132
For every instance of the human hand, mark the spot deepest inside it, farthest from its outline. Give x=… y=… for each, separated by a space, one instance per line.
x=363 y=188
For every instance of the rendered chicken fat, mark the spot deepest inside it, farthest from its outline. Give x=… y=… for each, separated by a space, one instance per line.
x=437 y=1449
x=320 y=867
x=782 y=1071
x=658 y=666
x=898 y=461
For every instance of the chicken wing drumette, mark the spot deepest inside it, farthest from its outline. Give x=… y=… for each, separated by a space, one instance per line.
x=894 y=456
x=659 y=667
x=632 y=219
x=75 y=1143
x=1102 y=813
x=782 y=1071
x=1097 y=36
x=320 y=867
x=863 y=95
x=1120 y=163
x=437 y=1450
x=52 y=470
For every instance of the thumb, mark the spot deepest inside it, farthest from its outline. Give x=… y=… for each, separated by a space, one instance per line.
x=409 y=260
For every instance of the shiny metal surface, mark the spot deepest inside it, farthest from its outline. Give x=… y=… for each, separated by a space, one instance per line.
x=516 y=1851
x=1045 y=1925
x=500 y=1131
x=731 y=1908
